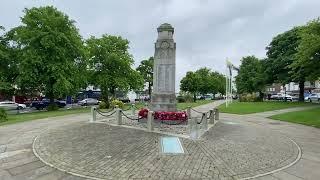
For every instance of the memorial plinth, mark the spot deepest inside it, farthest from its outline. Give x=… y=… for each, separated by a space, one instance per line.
x=163 y=96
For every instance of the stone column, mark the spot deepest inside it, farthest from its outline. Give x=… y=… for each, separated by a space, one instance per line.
x=163 y=97
x=118 y=116
x=93 y=114
x=150 y=121
x=205 y=121
x=189 y=112
x=211 y=120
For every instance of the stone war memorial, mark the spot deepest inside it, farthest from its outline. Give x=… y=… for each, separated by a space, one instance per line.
x=163 y=97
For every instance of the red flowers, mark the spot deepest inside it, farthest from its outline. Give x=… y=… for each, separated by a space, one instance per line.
x=163 y=115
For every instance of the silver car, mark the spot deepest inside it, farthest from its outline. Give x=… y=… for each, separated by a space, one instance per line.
x=314 y=98
x=88 y=101
x=8 y=105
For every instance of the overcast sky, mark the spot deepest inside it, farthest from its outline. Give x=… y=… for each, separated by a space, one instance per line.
x=206 y=31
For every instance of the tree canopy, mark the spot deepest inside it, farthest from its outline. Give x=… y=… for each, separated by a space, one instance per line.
x=203 y=81
x=146 y=70
x=308 y=51
x=51 y=57
x=110 y=65
x=251 y=76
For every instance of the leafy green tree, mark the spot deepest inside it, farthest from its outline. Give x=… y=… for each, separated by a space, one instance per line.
x=146 y=70
x=110 y=64
x=218 y=83
x=204 y=84
x=308 y=52
x=51 y=53
x=203 y=81
x=190 y=83
x=5 y=84
x=281 y=56
x=251 y=76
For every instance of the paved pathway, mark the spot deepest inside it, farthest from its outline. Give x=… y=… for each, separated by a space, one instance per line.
x=17 y=160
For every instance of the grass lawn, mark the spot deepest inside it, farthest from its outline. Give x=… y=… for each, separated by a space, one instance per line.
x=310 y=117
x=254 y=107
x=16 y=118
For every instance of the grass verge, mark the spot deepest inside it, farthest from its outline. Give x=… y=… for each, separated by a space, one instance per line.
x=309 y=117
x=255 y=107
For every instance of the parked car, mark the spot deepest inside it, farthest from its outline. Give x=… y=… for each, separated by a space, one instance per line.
x=314 y=98
x=88 y=101
x=10 y=105
x=44 y=103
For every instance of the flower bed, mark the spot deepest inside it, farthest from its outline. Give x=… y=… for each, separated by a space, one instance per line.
x=165 y=116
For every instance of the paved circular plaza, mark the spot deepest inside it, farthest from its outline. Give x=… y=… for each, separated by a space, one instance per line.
x=230 y=150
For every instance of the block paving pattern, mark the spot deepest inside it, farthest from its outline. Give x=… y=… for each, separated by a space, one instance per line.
x=109 y=152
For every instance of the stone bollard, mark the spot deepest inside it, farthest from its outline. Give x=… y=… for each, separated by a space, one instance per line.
x=189 y=112
x=150 y=119
x=93 y=114
x=211 y=117
x=133 y=109
x=216 y=114
x=194 y=128
x=119 y=116
x=205 y=121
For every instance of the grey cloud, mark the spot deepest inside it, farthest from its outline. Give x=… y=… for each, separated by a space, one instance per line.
x=206 y=31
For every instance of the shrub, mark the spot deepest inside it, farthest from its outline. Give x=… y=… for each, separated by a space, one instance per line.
x=115 y=102
x=188 y=98
x=181 y=99
x=3 y=115
x=102 y=105
x=52 y=107
x=249 y=98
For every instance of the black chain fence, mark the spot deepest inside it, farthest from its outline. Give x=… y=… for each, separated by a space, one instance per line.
x=134 y=119
x=105 y=115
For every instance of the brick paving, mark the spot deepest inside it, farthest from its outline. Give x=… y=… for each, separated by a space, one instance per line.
x=238 y=146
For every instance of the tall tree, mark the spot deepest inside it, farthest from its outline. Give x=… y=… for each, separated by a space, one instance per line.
x=281 y=55
x=51 y=52
x=251 y=76
x=5 y=68
x=308 y=53
x=190 y=83
x=146 y=70
x=110 y=64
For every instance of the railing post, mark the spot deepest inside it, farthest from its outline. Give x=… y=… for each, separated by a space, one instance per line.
x=189 y=112
x=150 y=121
x=93 y=114
x=205 y=121
x=216 y=113
x=211 y=117
x=193 y=128
x=119 y=116
x=133 y=109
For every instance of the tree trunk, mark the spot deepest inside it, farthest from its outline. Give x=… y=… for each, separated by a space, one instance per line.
x=50 y=96
x=194 y=97
x=149 y=89
x=105 y=97
x=301 y=91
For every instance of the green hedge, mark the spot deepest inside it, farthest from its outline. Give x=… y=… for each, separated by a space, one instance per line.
x=3 y=115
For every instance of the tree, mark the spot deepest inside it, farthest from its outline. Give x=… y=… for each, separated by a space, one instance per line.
x=203 y=81
x=251 y=76
x=190 y=83
x=110 y=64
x=308 y=52
x=146 y=70
x=281 y=55
x=51 y=58
x=5 y=68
